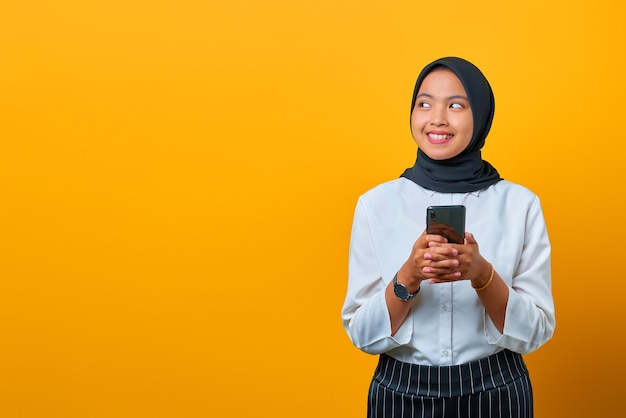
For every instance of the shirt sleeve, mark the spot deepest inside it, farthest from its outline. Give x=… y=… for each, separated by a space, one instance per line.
x=530 y=317
x=365 y=315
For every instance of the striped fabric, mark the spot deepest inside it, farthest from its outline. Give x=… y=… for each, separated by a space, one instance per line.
x=497 y=386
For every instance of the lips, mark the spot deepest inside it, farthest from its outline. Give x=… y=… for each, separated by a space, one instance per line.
x=439 y=137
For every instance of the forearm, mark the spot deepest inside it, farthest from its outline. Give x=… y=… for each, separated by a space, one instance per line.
x=398 y=309
x=493 y=293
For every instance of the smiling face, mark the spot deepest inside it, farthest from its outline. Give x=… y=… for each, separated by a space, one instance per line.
x=442 y=123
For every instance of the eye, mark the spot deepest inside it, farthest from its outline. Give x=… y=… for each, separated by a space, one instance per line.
x=456 y=106
x=423 y=105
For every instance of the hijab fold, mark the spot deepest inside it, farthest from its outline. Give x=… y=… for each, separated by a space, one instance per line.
x=467 y=171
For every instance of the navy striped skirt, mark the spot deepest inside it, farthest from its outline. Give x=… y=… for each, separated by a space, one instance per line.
x=496 y=386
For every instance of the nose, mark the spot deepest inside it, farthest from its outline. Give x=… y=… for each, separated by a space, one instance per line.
x=438 y=116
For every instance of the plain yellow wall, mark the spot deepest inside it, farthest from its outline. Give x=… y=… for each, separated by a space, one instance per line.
x=177 y=183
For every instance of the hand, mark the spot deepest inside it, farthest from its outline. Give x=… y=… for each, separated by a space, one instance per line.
x=431 y=258
x=471 y=264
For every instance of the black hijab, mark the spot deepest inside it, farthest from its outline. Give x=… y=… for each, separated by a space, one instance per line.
x=466 y=172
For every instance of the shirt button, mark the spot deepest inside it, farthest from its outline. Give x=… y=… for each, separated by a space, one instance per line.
x=445 y=308
x=445 y=353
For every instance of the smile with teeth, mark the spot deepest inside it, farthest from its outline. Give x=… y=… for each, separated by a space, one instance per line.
x=439 y=137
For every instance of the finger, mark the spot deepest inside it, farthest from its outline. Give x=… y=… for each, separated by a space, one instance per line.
x=445 y=278
x=435 y=258
x=435 y=238
x=440 y=253
x=469 y=237
x=444 y=267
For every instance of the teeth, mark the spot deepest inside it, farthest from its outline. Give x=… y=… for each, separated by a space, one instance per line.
x=439 y=137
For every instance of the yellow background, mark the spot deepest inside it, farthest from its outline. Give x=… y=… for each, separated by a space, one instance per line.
x=178 y=178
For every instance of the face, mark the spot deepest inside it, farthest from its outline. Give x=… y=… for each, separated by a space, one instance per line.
x=442 y=123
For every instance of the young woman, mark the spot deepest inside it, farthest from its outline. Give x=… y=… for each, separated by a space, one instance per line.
x=449 y=321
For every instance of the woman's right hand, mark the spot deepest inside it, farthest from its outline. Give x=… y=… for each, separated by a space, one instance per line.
x=429 y=260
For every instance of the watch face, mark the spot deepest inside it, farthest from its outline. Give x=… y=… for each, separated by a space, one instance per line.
x=401 y=291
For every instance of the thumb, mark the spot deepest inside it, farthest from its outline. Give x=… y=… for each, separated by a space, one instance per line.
x=469 y=238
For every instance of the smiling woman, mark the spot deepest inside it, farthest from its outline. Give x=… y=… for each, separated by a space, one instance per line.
x=450 y=309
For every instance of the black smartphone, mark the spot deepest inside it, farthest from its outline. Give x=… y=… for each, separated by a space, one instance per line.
x=448 y=221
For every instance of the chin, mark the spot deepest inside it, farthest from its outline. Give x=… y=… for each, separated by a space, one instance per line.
x=438 y=156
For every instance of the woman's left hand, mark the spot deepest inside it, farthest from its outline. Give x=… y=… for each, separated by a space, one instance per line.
x=471 y=263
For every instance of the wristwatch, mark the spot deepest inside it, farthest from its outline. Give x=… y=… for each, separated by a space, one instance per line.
x=401 y=291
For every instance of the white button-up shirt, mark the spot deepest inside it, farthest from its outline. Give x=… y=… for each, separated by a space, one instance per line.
x=448 y=324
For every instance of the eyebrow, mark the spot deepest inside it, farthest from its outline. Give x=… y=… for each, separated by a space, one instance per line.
x=430 y=96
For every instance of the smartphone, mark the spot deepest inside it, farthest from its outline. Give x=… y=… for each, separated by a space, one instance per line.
x=448 y=221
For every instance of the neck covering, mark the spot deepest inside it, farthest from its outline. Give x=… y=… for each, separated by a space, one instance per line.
x=467 y=171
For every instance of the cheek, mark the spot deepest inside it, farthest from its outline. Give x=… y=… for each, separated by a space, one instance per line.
x=416 y=128
x=468 y=132
x=466 y=125
x=469 y=121
x=418 y=120
x=470 y=127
